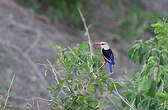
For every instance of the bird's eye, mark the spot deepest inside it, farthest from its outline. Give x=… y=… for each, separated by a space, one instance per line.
x=102 y=44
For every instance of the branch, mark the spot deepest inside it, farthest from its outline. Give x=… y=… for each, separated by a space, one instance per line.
x=33 y=45
x=89 y=40
x=158 y=67
x=122 y=98
x=6 y=101
x=110 y=99
x=100 y=66
x=54 y=71
x=23 y=26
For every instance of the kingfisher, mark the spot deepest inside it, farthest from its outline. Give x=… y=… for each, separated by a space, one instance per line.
x=107 y=54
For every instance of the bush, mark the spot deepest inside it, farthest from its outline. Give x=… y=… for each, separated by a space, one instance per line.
x=80 y=88
x=148 y=89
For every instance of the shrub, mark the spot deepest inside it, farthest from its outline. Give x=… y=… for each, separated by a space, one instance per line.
x=79 y=89
x=148 y=89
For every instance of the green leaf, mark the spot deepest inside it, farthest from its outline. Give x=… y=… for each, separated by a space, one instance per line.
x=117 y=84
x=156 y=25
x=57 y=47
x=135 y=52
x=90 y=60
x=111 y=88
x=142 y=57
x=152 y=60
x=83 y=46
x=57 y=90
x=48 y=89
x=161 y=60
x=61 y=81
x=79 y=85
x=138 y=99
x=144 y=84
x=75 y=88
x=91 y=89
x=152 y=89
x=162 y=96
x=82 y=100
x=93 y=104
x=147 y=70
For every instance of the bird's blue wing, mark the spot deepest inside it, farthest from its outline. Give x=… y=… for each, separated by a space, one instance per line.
x=110 y=61
x=108 y=55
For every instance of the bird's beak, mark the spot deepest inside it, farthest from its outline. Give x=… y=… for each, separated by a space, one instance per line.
x=97 y=43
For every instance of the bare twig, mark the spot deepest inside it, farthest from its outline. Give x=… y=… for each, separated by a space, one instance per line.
x=46 y=100
x=89 y=40
x=157 y=75
x=100 y=67
x=38 y=107
x=110 y=99
x=33 y=45
x=122 y=98
x=54 y=71
x=8 y=94
x=87 y=31
x=132 y=104
x=143 y=67
x=23 y=26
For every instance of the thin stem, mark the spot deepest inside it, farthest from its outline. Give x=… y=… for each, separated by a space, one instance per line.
x=89 y=40
x=110 y=99
x=122 y=98
x=38 y=107
x=100 y=66
x=87 y=31
x=6 y=101
x=54 y=71
x=158 y=66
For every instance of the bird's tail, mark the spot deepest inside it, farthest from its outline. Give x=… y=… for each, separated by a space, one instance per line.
x=110 y=66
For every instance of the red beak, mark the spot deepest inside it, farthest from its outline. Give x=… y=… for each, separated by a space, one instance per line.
x=97 y=43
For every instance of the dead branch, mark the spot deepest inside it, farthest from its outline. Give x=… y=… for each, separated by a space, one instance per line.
x=110 y=99
x=89 y=40
x=33 y=45
x=54 y=71
x=122 y=98
x=8 y=94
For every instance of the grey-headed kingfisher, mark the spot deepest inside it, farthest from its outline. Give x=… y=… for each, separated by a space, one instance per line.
x=107 y=54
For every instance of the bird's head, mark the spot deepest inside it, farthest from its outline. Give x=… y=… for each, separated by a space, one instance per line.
x=104 y=45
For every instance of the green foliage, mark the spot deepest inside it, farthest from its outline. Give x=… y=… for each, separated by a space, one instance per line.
x=78 y=89
x=149 y=88
x=59 y=9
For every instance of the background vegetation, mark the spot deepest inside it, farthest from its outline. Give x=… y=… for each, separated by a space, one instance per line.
x=62 y=10
x=81 y=82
